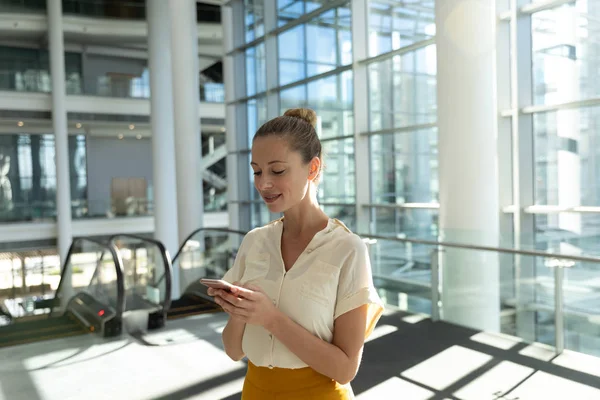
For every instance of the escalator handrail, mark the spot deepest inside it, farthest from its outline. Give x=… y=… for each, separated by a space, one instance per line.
x=168 y=264
x=118 y=267
x=191 y=235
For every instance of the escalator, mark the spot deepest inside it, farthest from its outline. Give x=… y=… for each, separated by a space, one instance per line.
x=206 y=253
x=91 y=303
x=147 y=272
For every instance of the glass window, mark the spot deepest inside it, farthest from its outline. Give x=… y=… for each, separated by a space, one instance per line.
x=256 y=72
x=315 y=48
x=28 y=70
x=289 y=10
x=404 y=167
x=257 y=115
x=292 y=98
x=28 y=176
x=332 y=99
x=567 y=157
x=338 y=183
x=254 y=19
x=397 y=24
x=346 y=214
x=566 y=59
x=259 y=214
x=402 y=90
x=413 y=223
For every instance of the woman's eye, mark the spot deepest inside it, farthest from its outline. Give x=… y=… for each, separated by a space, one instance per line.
x=256 y=173
x=279 y=172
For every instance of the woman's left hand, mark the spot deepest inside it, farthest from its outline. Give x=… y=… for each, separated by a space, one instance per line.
x=250 y=304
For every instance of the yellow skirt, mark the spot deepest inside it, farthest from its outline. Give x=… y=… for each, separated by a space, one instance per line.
x=262 y=383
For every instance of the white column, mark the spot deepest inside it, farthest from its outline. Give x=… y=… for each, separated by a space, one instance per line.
x=61 y=134
x=186 y=96
x=361 y=115
x=468 y=177
x=163 y=140
x=568 y=125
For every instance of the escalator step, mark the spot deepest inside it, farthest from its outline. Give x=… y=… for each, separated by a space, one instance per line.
x=189 y=305
x=34 y=331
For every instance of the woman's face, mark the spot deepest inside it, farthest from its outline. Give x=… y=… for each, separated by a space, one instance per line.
x=280 y=175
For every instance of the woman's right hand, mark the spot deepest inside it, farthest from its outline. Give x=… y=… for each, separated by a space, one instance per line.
x=218 y=292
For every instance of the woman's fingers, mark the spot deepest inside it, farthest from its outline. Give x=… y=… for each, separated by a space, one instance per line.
x=230 y=308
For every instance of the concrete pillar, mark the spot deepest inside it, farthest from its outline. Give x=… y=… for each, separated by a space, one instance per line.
x=163 y=139
x=186 y=99
x=59 y=124
x=467 y=125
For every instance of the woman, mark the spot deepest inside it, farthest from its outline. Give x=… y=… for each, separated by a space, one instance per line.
x=304 y=301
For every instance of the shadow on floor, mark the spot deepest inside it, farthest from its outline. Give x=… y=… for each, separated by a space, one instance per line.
x=411 y=344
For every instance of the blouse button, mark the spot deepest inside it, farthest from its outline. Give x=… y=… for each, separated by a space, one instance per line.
x=309 y=251
x=270 y=366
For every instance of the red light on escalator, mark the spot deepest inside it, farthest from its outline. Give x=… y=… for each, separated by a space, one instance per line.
x=101 y=313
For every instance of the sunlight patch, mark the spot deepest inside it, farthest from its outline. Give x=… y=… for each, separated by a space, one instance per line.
x=550 y=387
x=380 y=331
x=579 y=362
x=414 y=319
x=495 y=382
x=394 y=388
x=538 y=351
x=436 y=372
x=497 y=340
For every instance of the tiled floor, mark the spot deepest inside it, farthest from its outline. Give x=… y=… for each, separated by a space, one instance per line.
x=408 y=358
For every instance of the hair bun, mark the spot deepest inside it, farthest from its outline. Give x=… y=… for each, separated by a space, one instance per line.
x=305 y=114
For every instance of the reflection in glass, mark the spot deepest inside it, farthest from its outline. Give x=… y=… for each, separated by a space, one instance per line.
x=332 y=100
x=338 y=182
x=289 y=10
x=259 y=214
x=413 y=223
x=404 y=167
x=346 y=214
x=566 y=58
x=317 y=47
x=28 y=176
x=402 y=90
x=257 y=115
x=254 y=14
x=256 y=73
x=567 y=174
x=397 y=24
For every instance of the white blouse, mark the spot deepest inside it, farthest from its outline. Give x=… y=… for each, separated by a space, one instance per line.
x=331 y=277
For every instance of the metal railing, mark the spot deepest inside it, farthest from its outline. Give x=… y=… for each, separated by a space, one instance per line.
x=40 y=81
x=120 y=301
x=436 y=305
x=167 y=265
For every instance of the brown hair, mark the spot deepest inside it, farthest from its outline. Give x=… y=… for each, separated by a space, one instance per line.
x=297 y=126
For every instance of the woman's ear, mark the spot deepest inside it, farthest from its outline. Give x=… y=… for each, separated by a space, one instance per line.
x=314 y=168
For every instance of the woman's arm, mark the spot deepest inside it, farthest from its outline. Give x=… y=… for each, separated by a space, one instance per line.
x=338 y=360
x=233 y=333
x=232 y=338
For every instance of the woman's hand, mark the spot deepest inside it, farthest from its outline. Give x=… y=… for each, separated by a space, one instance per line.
x=250 y=304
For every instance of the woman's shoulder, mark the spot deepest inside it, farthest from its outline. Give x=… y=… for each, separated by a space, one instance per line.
x=346 y=238
x=262 y=232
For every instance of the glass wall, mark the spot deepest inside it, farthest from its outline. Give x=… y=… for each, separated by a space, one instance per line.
x=563 y=174
x=28 y=70
x=28 y=176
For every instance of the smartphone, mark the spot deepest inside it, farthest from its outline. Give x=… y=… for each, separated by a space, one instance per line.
x=216 y=284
